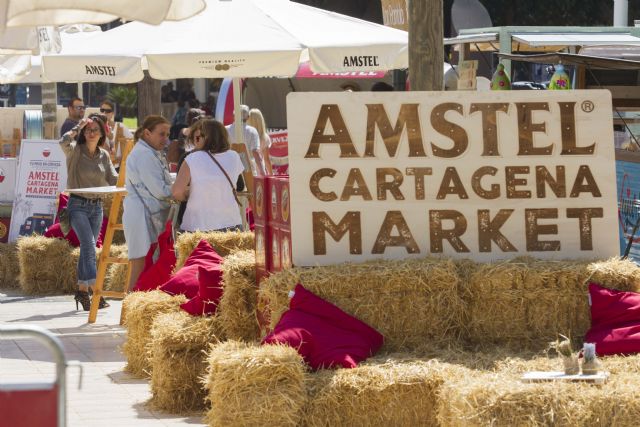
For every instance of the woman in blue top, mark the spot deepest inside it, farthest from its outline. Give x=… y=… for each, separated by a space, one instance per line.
x=146 y=207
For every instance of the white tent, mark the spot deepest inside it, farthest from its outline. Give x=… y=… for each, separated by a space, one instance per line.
x=239 y=38
x=17 y=13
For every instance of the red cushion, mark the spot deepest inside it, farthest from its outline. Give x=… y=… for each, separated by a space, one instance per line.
x=55 y=232
x=250 y=220
x=155 y=274
x=324 y=335
x=205 y=303
x=185 y=280
x=615 y=321
x=63 y=200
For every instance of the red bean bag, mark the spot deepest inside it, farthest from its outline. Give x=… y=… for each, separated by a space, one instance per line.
x=55 y=232
x=615 y=321
x=185 y=281
x=155 y=274
x=324 y=335
x=205 y=303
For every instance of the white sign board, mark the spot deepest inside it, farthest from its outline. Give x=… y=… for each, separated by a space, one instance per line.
x=42 y=174
x=7 y=179
x=461 y=174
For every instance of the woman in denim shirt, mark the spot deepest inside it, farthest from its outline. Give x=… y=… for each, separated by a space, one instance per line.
x=146 y=207
x=88 y=165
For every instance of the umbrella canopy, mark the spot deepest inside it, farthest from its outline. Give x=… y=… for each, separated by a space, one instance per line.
x=61 y=12
x=26 y=68
x=239 y=38
x=24 y=40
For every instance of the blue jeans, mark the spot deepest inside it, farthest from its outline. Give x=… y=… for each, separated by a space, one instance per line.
x=86 y=219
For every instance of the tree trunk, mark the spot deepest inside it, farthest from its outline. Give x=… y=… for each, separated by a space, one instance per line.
x=426 y=48
x=148 y=97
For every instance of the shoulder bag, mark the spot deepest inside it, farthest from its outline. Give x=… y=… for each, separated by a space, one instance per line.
x=233 y=187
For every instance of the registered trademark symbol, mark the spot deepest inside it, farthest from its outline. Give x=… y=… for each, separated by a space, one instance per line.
x=587 y=106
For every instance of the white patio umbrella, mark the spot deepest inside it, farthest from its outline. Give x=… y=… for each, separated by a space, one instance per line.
x=27 y=68
x=23 y=40
x=233 y=38
x=61 y=12
x=238 y=38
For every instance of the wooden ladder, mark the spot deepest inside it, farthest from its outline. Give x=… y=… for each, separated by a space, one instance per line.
x=105 y=256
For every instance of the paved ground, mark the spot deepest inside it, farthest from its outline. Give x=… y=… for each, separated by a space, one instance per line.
x=109 y=396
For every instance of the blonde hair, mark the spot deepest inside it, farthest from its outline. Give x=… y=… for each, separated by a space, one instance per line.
x=256 y=119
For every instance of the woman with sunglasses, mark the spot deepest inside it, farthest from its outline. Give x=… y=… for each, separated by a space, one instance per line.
x=88 y=165
x=108 y=108
x=208 y=178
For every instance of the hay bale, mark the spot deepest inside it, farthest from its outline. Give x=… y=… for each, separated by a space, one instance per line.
x=47 y=266
x=116 y=279
x=141 y=309
x=177 y=350
x=381 y=392
x=9 y=266
x=252 y=385
x=526 y=302
x=412 y=302
x=224 y=243
x=237 y=307
x=499 y=398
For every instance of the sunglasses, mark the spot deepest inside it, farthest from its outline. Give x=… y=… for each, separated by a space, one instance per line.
x=79 y=107
x=106 y=110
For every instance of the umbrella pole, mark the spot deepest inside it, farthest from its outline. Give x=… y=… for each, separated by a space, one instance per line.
x=237 y=114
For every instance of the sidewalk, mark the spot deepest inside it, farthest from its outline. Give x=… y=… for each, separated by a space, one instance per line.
x=109 y=396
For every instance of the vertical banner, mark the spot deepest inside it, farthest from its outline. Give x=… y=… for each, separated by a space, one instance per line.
x=628 y=177
x=279 y=152
x=8 y=172
x=415 y=174
x=42 y=174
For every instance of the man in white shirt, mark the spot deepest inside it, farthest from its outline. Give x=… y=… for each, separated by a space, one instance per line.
x=251 y=140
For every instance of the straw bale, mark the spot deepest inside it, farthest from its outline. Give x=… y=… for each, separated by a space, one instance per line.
x=47 y=266
x=116 y=278
x=9 y=266
x=526 y=302
x=224 y=243
x=237 y=308
x=177 y=350
x=396 y=391
x=252 y=385
x=412 y=302
x=499 y=398
x=141 y=309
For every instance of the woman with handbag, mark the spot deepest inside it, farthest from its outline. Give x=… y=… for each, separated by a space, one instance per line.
x=207 y=179
x=88 y=165
x=147 y=205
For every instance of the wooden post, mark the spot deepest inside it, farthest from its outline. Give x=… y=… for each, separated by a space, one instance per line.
x=49 y=110
x=426 y=48
x=148 y=97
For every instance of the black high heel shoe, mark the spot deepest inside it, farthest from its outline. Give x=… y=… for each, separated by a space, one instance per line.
x=103 y=303
x=82 y=297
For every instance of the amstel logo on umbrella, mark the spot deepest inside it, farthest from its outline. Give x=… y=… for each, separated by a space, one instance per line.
x=46 y=152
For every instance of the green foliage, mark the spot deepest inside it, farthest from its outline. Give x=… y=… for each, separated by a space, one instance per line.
x=126 y=97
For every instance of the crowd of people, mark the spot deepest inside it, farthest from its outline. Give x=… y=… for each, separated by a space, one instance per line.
x=209 y=175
